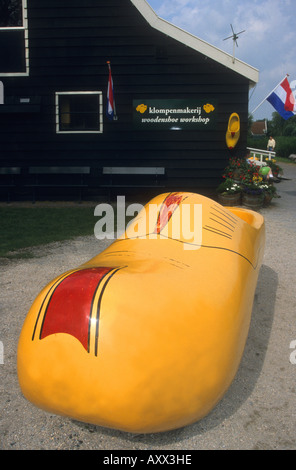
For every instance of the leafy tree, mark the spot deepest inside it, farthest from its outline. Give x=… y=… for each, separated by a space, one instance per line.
x=290 y=127
x=276 y=124
x=281 y=127
x=250 y=123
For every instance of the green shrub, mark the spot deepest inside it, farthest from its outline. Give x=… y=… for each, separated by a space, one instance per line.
x=257 y=142
x=285 y=145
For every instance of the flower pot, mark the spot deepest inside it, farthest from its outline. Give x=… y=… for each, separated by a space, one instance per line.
x=267 y=199
x=237 y=174
x=230 y=199
x=253 y=201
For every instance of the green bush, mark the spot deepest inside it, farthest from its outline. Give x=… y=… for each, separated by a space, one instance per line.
x=257 y=142
x=285 y=145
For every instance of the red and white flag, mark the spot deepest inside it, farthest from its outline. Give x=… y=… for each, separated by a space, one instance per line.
x=282 y=99
x=111 y=111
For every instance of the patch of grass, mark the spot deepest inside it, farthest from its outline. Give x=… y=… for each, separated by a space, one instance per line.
x=28 y=227
x=284 y=160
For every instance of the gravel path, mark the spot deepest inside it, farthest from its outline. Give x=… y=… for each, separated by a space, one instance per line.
x=257 y=412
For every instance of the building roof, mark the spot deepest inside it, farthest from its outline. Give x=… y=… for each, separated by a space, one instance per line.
x=259 y=127
x=196 y=43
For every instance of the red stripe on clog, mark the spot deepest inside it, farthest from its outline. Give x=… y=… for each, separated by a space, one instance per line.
x=69 y=308
x=168 y=207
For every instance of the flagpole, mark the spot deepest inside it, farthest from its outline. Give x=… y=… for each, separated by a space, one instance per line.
x=287 y=75
x=114 y=107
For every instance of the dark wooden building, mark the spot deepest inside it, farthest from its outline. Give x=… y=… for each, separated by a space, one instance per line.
x=174 y=94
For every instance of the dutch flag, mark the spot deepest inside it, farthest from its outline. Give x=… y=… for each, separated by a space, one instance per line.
x=111 y=112
x=282 y=99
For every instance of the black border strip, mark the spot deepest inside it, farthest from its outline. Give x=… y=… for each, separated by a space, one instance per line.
x=99 y=306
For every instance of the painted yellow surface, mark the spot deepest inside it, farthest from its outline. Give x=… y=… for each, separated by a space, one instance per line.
x=165 y=324
x=233 y=131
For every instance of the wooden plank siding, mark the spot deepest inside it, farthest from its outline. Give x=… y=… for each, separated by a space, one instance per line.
x=69 y=44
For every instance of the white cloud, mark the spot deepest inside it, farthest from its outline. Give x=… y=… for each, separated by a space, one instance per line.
x=267 y=44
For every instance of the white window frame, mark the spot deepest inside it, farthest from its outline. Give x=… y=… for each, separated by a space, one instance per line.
x=59 y=93
x=24 y=27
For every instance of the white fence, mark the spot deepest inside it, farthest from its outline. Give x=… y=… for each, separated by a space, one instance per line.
x=259 y=153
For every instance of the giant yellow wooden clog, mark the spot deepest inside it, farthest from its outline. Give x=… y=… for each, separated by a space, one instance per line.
x=148 y=335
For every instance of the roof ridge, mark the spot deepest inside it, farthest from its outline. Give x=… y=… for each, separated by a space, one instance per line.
x=190 y=40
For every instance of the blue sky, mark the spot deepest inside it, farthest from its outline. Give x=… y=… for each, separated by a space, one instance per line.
x=268 y=44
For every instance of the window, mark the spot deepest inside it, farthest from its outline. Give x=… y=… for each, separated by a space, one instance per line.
x=14 y=43
x=79 y=112
x=11 y=13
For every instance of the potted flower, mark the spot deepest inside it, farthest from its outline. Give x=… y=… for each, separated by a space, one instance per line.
x=269 y=193
x=229 y=193
x=235 y=169
x=275 y=168
x=253 y=193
